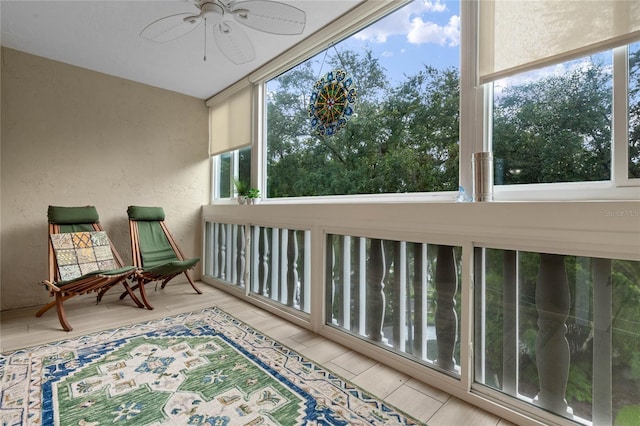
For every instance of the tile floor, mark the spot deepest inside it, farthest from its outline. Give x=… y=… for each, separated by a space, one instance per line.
x=20 y=328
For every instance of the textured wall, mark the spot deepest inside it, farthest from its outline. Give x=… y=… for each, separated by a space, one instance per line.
x=75 y=137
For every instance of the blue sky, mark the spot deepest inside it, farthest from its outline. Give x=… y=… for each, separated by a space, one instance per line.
x=423 y=32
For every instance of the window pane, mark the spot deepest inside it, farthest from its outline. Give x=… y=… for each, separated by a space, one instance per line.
x=554 y=124
x=634 y=110
x=280 y=266
x=224 y=175
x=625 y=281
x=560 y=332
x=231 y=171
x=403 y=135
x=403 y=296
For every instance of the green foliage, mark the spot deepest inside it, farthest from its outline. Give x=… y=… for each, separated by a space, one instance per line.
x=224 y=176
x=556 y=129
x=580 y=380
x=625 y=286
x=401 y=139
x=405 y=138
x=242 y=188
x=625 y=280
x=628 y=416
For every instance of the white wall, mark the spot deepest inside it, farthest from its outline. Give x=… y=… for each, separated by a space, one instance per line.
x=74 y=137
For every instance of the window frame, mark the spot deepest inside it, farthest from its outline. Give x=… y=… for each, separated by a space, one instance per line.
x=234 y=173
x=619 y=187
x=475 y=120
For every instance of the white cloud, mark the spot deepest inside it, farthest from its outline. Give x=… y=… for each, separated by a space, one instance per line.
x=428 y=32
x=413 y=22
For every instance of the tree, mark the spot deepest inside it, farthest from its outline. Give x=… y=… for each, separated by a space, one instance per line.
x=405 y=138
x=555 y=129
x=401 y=139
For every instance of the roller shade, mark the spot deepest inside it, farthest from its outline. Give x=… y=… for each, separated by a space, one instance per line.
x=520 y=35
x=230 y=119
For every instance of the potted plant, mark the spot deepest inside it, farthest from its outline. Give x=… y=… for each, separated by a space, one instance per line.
x=242 y=190
x=252 y=195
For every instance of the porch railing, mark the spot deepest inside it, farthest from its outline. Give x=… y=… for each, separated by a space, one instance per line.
x=549 y=308
x=275 y=261
x=398 y=294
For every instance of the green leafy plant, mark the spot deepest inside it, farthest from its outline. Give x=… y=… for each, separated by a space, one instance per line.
x=242 y=188
x=253 y=193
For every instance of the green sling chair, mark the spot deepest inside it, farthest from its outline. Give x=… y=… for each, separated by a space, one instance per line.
x=81 y=259
x=154 y=250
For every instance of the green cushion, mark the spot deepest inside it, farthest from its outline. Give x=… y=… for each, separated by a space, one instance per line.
x=72 y=215
x=154 y=245
x=76 y=227
x=173 y=268
x=158 y=257
x=145 y=213
x=110 y=272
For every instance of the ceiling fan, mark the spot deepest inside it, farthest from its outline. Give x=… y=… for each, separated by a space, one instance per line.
x=262 y=15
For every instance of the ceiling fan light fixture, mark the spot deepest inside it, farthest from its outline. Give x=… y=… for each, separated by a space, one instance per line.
x=211 y=7
x=262 y=15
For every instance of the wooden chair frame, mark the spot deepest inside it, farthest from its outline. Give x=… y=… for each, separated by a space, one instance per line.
x=99 y=283
x=145 y=277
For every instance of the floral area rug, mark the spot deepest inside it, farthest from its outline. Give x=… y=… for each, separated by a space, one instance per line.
x=201 y=368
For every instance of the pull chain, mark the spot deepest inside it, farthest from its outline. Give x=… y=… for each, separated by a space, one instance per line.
x=205 y=40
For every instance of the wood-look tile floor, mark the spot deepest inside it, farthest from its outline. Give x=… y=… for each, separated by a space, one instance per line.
x=20 y=328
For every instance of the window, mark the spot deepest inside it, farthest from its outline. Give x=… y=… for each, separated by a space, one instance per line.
x=558 y=124
x=566 y=324
x=403 y=136
x=400 y=295
x=229 y=168
x=554 y=124
x=567 y=122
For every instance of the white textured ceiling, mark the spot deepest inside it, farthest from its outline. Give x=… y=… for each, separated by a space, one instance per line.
x=104 y=36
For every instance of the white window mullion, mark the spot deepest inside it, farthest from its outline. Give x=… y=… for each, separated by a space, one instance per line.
x=472 y=95
x=620 y=122
x=602 y=339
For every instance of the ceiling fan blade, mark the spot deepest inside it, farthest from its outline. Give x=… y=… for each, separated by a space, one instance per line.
x=270 y=16
x=233 y=42
x=171 y=27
